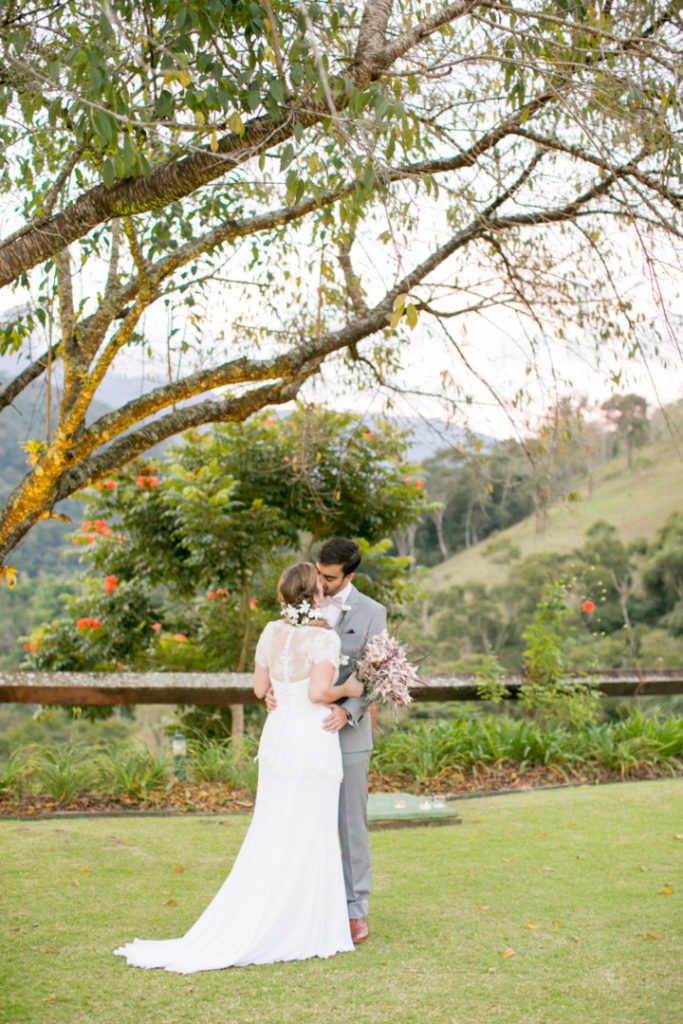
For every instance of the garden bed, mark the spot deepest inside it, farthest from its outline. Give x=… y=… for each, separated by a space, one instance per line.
x=222 y=798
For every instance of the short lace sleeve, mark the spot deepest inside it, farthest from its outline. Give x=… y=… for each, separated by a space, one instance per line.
x=325 y=646
x=263 y=645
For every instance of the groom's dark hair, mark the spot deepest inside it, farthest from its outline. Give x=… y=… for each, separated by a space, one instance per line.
x=340 y=551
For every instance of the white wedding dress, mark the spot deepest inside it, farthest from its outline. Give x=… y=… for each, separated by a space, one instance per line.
x=284 y=898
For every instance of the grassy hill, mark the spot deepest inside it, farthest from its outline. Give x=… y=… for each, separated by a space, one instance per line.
x=637 y=503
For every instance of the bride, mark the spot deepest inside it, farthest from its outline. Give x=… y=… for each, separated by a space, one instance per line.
x=284 y=898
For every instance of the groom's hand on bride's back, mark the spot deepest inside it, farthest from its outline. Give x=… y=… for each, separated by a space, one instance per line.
x=271 y=702
x=336 y=719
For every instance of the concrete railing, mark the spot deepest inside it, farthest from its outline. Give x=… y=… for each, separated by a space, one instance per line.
x=215 y=688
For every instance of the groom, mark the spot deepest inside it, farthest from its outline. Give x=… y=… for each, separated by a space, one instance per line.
x=356 y=618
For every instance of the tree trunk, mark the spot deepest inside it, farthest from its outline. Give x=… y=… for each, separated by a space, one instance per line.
x=438 y=517
x=237 y=729
x=237 y=710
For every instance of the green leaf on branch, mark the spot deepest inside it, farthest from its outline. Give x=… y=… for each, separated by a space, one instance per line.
x=399 y=306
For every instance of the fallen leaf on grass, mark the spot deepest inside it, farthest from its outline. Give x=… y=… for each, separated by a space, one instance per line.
x=75 y=882
x=530 y=924
x=171 y=903
x=555 y=923
x=576 y=938
x=652 y=935
x=508 y=952
x=165 y=893
x=84 y=870
x=572 y=824
x=48 y=949
x=666 y=891
x=49 y=999
x=180 y=868
x=477 y=821
x=481 y=906
x=641 y=868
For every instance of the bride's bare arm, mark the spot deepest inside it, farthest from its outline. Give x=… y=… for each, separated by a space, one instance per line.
x=321 y=690
x=261 y=680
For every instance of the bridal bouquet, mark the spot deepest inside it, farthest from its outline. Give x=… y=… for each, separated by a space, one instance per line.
x=385 y=671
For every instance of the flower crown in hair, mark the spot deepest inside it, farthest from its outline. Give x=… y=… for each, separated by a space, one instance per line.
x=299 y=614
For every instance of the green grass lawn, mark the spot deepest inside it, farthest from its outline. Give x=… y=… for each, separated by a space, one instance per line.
x=571 y=880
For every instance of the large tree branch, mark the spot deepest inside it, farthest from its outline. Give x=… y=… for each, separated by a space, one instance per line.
x=116 y=299
x=602 y=162
x=230 y=374
x=27 y=376
x=179 y=178
x=50 y=480
x=129 y=446
x=165 y=184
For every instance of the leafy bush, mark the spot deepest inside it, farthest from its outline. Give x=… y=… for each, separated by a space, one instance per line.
x=130 y=770
x=63 y=772
x=225 y=761
x=425 y=749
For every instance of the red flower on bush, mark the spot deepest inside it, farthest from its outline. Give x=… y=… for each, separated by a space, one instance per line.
x=147 y=481
x=211 y=595
x=31 y=648
x=88 y=623
x=110 y=583
x=588 y=607
x=253 y=602
x=419 y=484
x=179 y=637
x=156 y=626
x=367 y=435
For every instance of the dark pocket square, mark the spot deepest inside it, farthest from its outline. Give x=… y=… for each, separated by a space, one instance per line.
x=347 y=631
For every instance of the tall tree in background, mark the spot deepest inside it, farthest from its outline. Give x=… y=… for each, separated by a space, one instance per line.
x=340 y=170
x=628 y=414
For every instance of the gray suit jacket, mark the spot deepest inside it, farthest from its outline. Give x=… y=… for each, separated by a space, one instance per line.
x=364 y=619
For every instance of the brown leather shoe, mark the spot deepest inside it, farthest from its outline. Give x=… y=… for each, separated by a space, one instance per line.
x=359 y=929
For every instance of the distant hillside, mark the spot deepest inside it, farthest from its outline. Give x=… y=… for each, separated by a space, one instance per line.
x=637 y=503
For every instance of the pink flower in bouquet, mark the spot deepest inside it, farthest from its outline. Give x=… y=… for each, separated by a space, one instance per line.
x=386 y=672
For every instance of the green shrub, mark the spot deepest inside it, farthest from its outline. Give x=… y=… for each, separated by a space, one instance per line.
x=130 y=770
x=63 y=772
x=225 y=761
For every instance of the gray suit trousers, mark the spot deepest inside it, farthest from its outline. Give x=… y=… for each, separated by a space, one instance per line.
x=353 y=831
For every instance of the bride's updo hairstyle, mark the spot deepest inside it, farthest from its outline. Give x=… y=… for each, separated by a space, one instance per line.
x=296 y=589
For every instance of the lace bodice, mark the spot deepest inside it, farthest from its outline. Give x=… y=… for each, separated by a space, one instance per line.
x=290 y=652
x=293 y=742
